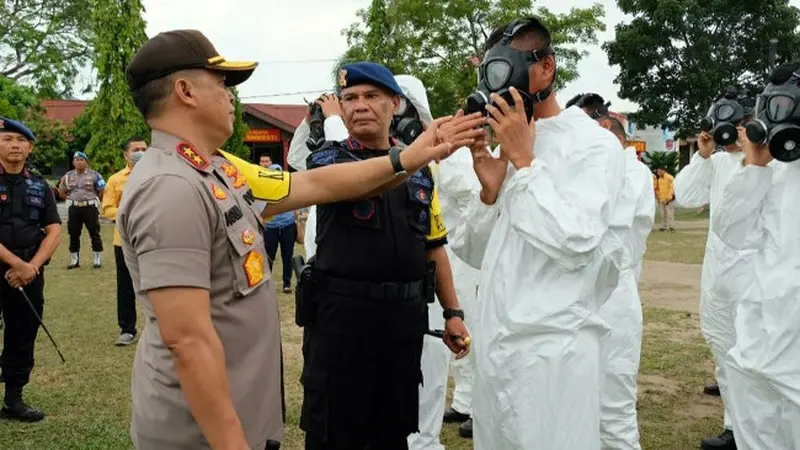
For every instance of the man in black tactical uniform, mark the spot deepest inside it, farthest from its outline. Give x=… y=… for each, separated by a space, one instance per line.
x=30 y=231
x=373 y=276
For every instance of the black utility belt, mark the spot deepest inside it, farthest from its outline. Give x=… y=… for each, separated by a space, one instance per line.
x=380 y=292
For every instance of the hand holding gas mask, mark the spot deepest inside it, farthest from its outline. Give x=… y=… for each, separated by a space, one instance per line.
x=777 y=120
x=722 y=119
x=325 y=106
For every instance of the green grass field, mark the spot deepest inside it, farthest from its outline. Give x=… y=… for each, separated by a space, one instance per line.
x=87 y=400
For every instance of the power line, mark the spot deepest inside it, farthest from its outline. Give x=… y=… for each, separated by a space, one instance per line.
x=285 y=94
x=299 y=61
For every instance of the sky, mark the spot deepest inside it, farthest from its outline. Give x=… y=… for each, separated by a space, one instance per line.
x=296 y=43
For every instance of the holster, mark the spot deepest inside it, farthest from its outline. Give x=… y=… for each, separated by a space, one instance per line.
x=305 y=295
x=429 y=291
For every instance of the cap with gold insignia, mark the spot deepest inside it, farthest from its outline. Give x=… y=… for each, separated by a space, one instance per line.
x=368 y=73
x=13 y=126
x=171 y=51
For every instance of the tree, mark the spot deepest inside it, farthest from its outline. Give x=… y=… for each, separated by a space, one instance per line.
x=437 y=41
x=21 y=103
x=235 y=144
x=118 y=33
x=44 y=43
x=662 y=160
x=677 y=57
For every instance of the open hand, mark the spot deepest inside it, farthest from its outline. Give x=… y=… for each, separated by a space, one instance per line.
x=462 y=130
x=456 y=337
x=512 y=128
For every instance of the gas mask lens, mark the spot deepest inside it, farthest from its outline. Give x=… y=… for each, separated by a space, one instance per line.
x=780 y=108
x=725 y=112
x=497 y=73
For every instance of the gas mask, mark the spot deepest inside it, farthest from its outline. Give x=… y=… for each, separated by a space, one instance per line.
x=777 y=119
x=406 y=126
x=722 y=118
x=135 y=157
x=503 y=67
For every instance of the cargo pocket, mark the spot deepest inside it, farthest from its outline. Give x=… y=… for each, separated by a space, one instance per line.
x=314 y=415
x=248 y=256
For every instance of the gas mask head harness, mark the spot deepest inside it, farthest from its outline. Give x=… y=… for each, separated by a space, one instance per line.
x=406 y=125
x=723 y=117
x=593 y=102
x=503 y=67
x=777 y=120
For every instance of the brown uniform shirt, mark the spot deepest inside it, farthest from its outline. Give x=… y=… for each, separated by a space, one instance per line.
x=187 y=222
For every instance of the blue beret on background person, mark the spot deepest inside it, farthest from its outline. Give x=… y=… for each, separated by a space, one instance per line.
x=13 y=126
x=368 y=73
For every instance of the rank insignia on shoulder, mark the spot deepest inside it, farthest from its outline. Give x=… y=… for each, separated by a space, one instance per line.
x=219 y=194
x=191 y=156
x=248 y=237
x=230 y=170
x=239 y=181
x=253 y=268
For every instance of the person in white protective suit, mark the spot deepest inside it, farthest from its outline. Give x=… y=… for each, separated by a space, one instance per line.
x=540 y=232
x=759 y=212
x=435 y=355
x=726 y=272
x=619 y=428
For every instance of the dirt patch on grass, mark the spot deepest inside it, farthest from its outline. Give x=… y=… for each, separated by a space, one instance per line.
x=669 y=285
x=657 y=384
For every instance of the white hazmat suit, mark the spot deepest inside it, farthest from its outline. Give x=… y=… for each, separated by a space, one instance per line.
x=727 y=271
x=548 y=262
x=622 y=347
x=759 y=213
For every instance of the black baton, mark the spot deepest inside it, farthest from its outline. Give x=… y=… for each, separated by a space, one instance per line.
x=41 y=322
x=436 y=333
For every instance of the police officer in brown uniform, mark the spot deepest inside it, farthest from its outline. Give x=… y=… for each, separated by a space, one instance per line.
x=83 y=188
x=207 y=367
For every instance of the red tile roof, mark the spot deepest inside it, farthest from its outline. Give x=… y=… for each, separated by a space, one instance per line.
x=287 y=117
x=64 y=110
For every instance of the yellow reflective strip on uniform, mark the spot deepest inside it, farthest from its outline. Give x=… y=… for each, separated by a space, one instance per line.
x=215 y=60
x=438 y=230
x=270 y=186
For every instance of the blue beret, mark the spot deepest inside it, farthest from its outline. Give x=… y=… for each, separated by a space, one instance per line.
x=16 y=127
x=368 y=73
x=80 y=155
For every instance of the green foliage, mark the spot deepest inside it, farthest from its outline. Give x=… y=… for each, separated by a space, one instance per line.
x=435 y=41
x=235 y=144
x=44 y=43
x=119 y=30
x=662 y=160
x=21 y=103
x=676 y=57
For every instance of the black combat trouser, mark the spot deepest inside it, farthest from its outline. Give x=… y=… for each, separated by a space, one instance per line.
x=21 y=327
x=78 y=217
x=361 y=374
x=126 y=297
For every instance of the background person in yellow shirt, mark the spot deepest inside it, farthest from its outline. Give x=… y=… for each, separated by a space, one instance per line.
x=665 y=195
x=126 y=297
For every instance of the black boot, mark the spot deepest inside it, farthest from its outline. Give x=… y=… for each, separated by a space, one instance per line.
x=465 y=429
x=273 y=445
x=15 y=407
x=453 y=416
x=724 y=441
x=711 y=389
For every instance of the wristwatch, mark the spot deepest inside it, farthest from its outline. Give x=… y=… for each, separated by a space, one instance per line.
x=450 y=313
x=394 y=158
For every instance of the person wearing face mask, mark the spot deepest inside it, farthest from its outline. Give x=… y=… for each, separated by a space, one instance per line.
x=134 y=149
x=757 y=212
x=540 y=230
x=727 y=271
x=633 y=220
